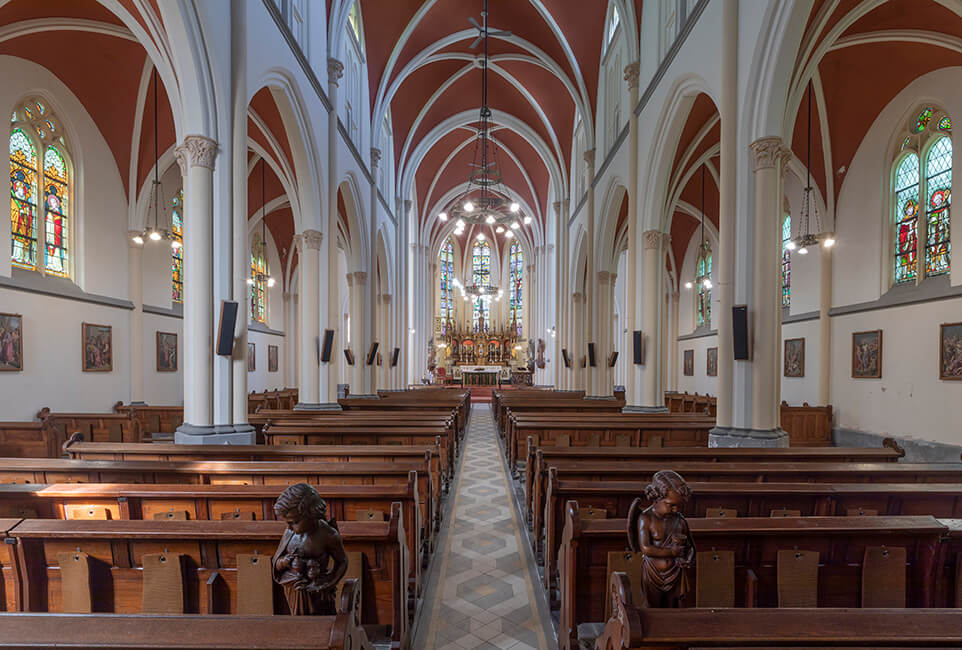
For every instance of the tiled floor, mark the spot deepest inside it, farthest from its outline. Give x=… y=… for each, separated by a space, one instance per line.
x=481 y=589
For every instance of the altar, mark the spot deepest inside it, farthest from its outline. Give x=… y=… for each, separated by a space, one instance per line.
x=480 y=375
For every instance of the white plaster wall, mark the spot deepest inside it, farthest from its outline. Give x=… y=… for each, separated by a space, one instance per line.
x=700 y=382
x=261 y=379
x=162 y=388
x=797 y=390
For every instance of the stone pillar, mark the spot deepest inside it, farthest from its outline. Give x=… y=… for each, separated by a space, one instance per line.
x=361 y=377
x=386 y=349
x=309 y=397
x=768 y=155
x=632 y=308
x=825 y=329
x=328 y=372
x=674 y=301
x=577 y=348
x=372 y=327
x=652 y=291
x=590 y=307
x=603 y=346
x=562 y=375
x=135 y=284
x=289 y=340
x=240 y=260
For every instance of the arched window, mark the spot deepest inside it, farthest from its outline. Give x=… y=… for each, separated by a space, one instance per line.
x=446 y=271
x=614 y=19
x=35 y=129
x=516 y=283
x=703 y=270
x=177 y=254
x=259 y=275
x=928 y=142
x=481 y=276
x=786 y=261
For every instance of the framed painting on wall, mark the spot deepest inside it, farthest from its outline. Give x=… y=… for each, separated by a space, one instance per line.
x=98 y=347
x=251 y=361
x=712 y=362
x=689 y=363
x=11 y=342
x=271 y=358
x=867 y=354
x=950 y=351
x=166 y=352
x=794 y=358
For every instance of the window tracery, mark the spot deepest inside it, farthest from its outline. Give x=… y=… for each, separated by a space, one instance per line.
x=516 y=284
x=481 y=276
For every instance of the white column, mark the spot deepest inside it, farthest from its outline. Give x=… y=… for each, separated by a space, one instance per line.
x=604 y=347
x=590 y=307
x=360 y=382
x=578 y=349
x=135 y=283
x=632 y=308
x=240 y=259
x=825 y=329
x=335 y=70
x=651 y=295
x=296 y=343
x=289 y=340
x=373 y=327
x=674 y=301
x=383 y=326
x=309 y=276
x=197 y=154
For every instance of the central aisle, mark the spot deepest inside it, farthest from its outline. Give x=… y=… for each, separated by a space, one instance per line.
x=481 y=590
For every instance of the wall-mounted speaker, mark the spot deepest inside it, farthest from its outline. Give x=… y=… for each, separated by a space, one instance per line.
x=328 y=346
x=566 y=358
x=584 y=362
x=372 y=353
x=740 y=334
x=638 y=347
x=225 y=328
x=612 y=359
x=349 y=356
x=591 y=355
x=394 y=356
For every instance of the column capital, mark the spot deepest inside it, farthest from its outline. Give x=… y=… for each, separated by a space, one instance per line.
x=590 y=157
x=375 y=157
x=784 y=157
x=287 y=296
x=360 y=277
x=335 y=70
x=386 y=298
x=653 y=239
x=604 y=277
x=631 y=74
x=180 y=155
x=199 y=151
x=312 y=239
x=557 y=208
x=407 y=205
x=577 y=297
x=765 y=152
x=549 y=248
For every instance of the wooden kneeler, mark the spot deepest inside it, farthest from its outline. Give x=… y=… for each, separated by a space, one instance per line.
x=883 y=577
x=563 y=440
x=163 y=588
x=629 y=564
x=370 y=515
x=92 y=513
x=591 y=512
x=75 y=582
x=171 y=515
x=255 y=586
x=861 y=512
x=781 y=512
x=797 y=578
x=715 y=579
x=714 y=513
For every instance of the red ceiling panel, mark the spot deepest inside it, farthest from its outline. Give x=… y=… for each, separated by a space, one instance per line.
x=165 y=130
x=266 y=108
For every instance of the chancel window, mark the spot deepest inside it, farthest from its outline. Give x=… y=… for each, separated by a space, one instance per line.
x=446 y=271
x=35 y=245
x=481 y=276
x=922 y=187
x=516 y=284
x=786 y=261
x=703 y=308
x=259 y=275
x=177 y=252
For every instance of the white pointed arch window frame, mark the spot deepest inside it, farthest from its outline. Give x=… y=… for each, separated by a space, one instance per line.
x=516 y=282
x=481 y=276
x=446 y=276
x=920 y=212
x=49 y=236
x=612 y=27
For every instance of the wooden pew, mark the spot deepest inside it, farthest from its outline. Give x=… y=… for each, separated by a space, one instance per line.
x=117 y=501
x=749 y=472
x=100 y=427
x=55 y=470
x=415 y=400
x=755 y=541
x=518 y=396
x=613 y=499
x=9 y=571
x=632 y=627
x=153 y=420
x=29 y=440
x=540 y=458
x=554 y=404
x=186 y=632
x=807 y=426
x=207 y=582
x=386 y=417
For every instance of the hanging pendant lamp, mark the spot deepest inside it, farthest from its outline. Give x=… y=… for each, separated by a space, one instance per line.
x=810 y=224
x=259 y=276
x=702 y=276
x=153 y=232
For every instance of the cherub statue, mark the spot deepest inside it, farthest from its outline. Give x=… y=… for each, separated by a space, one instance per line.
x=310 y=560
x=660 y=533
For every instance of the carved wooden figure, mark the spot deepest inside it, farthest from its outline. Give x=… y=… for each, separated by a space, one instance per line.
x=660 y=533
x=310 y=560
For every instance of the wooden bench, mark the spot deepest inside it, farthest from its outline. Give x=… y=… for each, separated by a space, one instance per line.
x=29 y=440
x=633 y=627
x=120 y=556
x=441 y=401
x=100 y=427
x=117 y=501
x=519 y=396
x=555 y=404
x=156 y=422
x=540 y=458
x=387 y=418
x=842 y=543
x=610 y=499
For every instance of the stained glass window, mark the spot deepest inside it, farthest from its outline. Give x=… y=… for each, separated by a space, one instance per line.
x=481 y=276
x=56 y=200
x=703 y=269
x=177 y=254
x=516 y=283
x=23 y=200
x=258 y=309
x=446 y=271
x=923 y=119
x=945 y=124
x=938 y=188
x=906 y=218
x=786 y=261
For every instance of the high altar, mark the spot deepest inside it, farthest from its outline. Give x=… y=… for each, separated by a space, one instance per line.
x=478 y=355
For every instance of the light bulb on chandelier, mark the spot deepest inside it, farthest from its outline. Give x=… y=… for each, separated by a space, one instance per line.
x=514 y=207
x=468 y=206
x=509 y=234
x=155 y=235
x=689 y=285
x=138 y=239
x=489 y=219
x=499 y=229
x=527 y=220
x=481 y=236
x=443 y=216
x=515 y=225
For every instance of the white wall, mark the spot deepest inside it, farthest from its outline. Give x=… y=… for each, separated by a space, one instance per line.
x=162 y=388
x=700 y=382
x=261 y=379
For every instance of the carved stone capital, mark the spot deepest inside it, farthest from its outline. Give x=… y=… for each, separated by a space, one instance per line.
x=287 y=295
x=180 y=155
x=784 y=157
x=604 y=277
x=590 y=157
x=631 y=74
x=312 y=239
x=577 y=297
x=386 y=298
x=765 y=153
x=199 y=151
x=557 y=208
x=360 y=277
x=407 y=205
x=375 y=157
x=335 y=70
x=652 y=239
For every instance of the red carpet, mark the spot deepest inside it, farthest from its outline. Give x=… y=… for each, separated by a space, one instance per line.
x=482 y=394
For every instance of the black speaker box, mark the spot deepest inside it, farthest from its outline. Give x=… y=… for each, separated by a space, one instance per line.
x=372 y=353
x=566 y=358
x=225 y=328
x=612 y=359
x=349 y=356
x=328 y=345
x=637 y=349
x=394 y=356
x=591 y=355
x=740 y=334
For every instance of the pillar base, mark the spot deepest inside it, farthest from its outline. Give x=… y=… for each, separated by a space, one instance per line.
x=219 y=434
x=644 y=409
x=731 y=437
x=307 y=406
x=138 y=403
